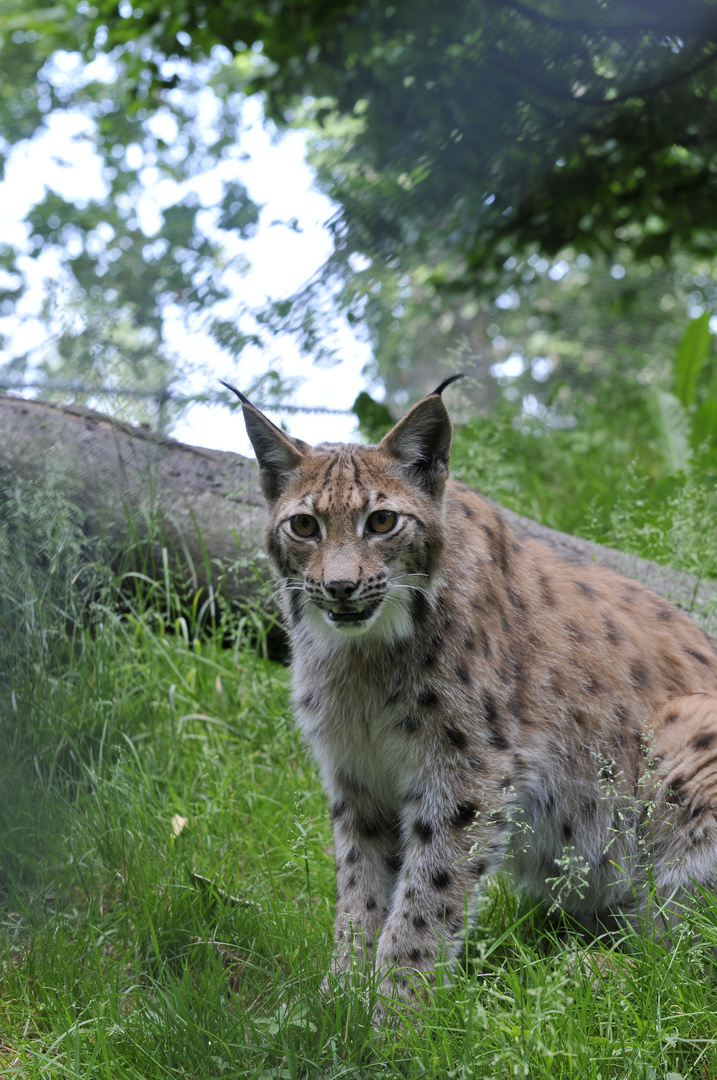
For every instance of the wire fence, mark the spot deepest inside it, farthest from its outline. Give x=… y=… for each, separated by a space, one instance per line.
x=161 y=396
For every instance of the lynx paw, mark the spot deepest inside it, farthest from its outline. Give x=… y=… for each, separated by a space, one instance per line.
x=400 y=999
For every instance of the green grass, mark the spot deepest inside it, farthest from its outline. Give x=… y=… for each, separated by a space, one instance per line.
x=602 y=479
x=118 y=963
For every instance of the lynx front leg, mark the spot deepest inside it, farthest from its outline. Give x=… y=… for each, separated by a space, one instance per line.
x=367 y=861
x=448 y=853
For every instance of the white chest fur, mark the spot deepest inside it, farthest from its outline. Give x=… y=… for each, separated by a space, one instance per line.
x=351 y=725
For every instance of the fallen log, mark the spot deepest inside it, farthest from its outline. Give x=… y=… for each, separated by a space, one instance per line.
x=204 y=508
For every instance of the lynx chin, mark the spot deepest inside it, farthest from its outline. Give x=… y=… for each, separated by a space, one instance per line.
x=475 y=703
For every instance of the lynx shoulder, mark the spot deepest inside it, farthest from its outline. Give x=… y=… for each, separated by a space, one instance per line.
x=475 y=702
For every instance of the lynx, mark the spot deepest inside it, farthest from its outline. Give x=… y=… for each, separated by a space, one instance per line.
x=475 y=703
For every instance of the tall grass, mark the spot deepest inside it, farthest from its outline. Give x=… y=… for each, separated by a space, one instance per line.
x=167 y=877
x=601 y=478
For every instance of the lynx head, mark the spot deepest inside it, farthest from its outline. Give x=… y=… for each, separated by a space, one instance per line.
x=355 y=532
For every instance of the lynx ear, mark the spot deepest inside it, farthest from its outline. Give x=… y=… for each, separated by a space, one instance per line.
x=277 y=453
x=421 y=442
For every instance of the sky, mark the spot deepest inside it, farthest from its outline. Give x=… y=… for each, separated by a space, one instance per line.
x=278 y=179
x=282 y=259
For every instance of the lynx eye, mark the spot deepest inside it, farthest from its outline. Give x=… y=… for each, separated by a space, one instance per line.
x=304 y=525
x=382 y=521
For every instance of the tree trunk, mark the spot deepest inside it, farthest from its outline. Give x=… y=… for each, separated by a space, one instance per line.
x=205 y=508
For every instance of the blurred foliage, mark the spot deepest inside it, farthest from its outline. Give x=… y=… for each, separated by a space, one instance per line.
x=620 y=460
x=523 y=185
x=499 y=124
x=147 y=247
x=603 y=465
x=374 y=418
x=614 y=338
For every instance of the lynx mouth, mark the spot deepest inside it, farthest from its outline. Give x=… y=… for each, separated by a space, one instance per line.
x=347 y=616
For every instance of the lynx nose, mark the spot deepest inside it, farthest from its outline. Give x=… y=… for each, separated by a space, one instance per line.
x=340 y=590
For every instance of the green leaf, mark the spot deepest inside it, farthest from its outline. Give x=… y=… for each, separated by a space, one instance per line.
x=690 y=357
x=704 y=424
x=673 y=428
x=373 y=416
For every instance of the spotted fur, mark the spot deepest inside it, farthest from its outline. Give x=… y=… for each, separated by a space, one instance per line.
x=475 y=703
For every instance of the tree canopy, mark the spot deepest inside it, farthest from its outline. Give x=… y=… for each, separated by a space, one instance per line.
x=500 y=124
x=462 y=144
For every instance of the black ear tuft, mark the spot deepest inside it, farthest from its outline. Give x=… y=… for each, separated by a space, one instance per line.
x=439 y=389
x=244 y=400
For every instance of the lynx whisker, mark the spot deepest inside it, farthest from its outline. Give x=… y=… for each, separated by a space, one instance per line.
x=414 y=588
